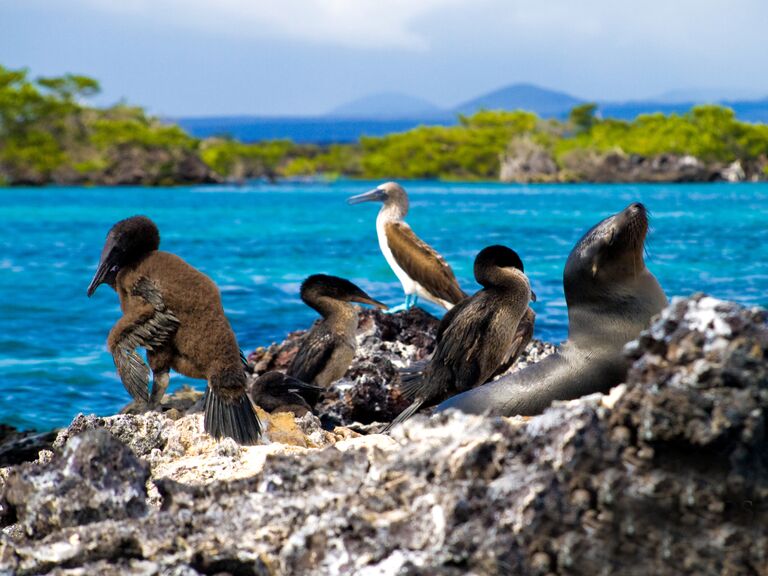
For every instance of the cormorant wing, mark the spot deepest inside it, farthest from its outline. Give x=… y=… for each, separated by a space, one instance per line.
x=449 y=316
x=411 y=375
x=314 y=354
x=152 y=332
x=420 y=261
x=522 y=337
x=462 y=343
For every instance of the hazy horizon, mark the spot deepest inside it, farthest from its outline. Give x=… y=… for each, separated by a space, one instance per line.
x=306 y=57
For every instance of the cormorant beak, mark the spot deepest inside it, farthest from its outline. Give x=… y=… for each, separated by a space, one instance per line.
x=365 y=299
x=296 y=385
x=375 y=195
x=108 y=267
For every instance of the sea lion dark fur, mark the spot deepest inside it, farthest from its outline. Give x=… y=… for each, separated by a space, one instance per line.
x=175 y=312
x=479 y=335
x=611 y=298
x=329 y=347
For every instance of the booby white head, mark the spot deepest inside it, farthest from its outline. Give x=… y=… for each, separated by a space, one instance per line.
x=420 y=269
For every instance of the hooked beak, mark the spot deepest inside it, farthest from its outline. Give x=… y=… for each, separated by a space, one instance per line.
x=375 y=195
x=108 y=267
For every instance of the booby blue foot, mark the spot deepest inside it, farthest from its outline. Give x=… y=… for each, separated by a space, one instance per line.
x=410 y=302
x=398 y=308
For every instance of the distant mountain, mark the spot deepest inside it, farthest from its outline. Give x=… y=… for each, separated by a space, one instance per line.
x=387 y=113
x=387 y=105
x=542 y=101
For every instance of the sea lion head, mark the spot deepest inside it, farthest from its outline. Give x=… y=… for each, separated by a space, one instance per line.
x=390 y=193
x=127 y=242
x=610 y=253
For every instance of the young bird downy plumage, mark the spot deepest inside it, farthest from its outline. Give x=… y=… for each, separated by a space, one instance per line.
x=478 y=337
x=420 y=269
x=175 y=313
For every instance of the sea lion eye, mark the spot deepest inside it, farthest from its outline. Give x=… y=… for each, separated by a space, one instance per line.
x=114 y=268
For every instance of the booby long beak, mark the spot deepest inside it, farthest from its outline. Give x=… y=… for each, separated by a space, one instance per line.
x=375 y=195
x=108 y=267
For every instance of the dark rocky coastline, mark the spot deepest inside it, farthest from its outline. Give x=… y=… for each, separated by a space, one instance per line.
x=524 y=162
x=527 y=163
x=667 y=474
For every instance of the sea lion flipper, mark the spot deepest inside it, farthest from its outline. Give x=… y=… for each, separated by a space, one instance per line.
x=133 y=372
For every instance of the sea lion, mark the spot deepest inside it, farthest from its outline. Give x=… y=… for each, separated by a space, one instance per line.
x=175 y=312
x=611 y=298
x=477 y=336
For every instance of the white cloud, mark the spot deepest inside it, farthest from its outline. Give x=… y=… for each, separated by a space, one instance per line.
x=349 y=23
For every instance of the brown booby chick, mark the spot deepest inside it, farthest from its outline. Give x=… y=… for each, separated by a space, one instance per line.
x=328 y=349
x=422 y=271
x=478 y=336
x=175 y=313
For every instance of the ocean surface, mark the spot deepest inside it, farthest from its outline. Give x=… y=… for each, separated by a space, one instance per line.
x=302 y=130
x=259 y=241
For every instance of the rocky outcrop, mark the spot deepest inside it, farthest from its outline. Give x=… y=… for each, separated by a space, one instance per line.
x=17 y=446
x=95 y=478
x=137 y=166
x=616 y=166
x=668 y=474
x=526 y=161
x=124 y=165
x=370 y=390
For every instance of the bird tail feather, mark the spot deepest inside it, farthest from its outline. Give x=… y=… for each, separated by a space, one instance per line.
x=412 y=377
x=403 y=416
x=234 y=418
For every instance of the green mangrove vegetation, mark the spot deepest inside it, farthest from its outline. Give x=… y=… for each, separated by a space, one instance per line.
x=48 y=133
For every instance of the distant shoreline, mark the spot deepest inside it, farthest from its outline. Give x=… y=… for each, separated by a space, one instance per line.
x=48 y=136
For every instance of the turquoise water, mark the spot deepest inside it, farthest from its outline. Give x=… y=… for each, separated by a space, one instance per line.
x=259 y=241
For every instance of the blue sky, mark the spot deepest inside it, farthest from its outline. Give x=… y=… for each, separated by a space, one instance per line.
x=303 y=57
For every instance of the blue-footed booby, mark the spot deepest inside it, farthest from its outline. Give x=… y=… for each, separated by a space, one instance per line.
x=479 y=336
x=175 y=313
x=329 y=347
x=422 y=271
